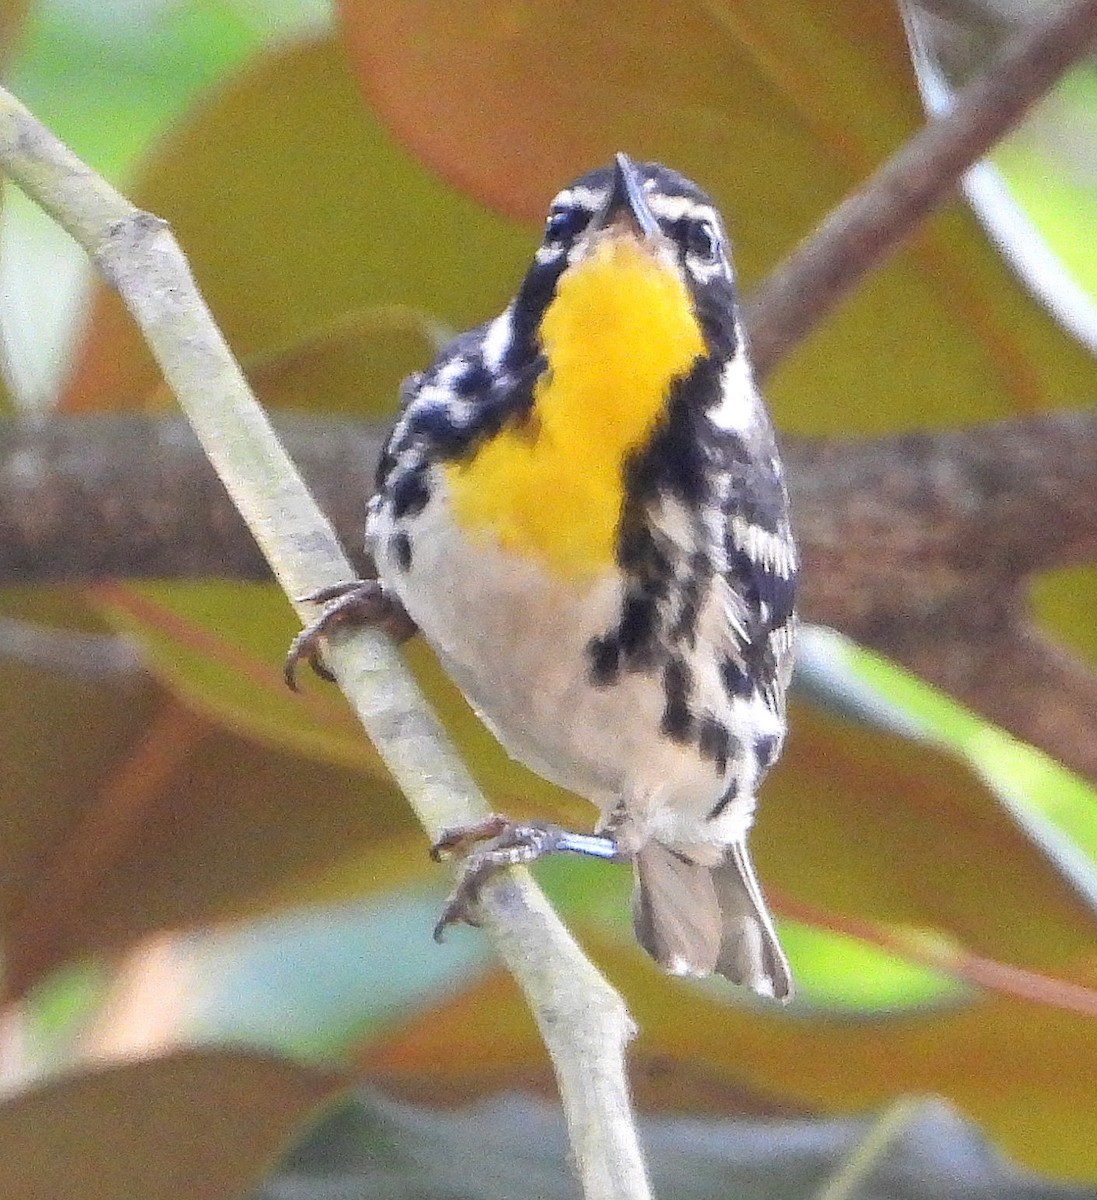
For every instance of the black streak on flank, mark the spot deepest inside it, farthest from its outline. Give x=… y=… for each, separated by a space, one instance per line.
x=714 y=743
x=638 y=554
x=637 y=631
x=755 y=491
x=736 y=679
x=677 y=683
x=604 y=654
x=691 y=596
x=724 y=801
x=763 y=585
x=400 y=549
x=765 y=750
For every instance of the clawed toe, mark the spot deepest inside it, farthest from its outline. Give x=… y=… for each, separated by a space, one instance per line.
x=464 y=837
x=505 y=844
x=462 y=904
x=459 y=909
x=359 y=602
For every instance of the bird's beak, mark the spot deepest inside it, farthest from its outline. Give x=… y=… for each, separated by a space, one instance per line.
x=626 y=204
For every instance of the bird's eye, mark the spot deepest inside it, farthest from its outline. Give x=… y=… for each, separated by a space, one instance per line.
x=702 y=240
x=565 y=223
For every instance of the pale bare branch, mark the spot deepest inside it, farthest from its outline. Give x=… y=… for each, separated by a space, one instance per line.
x=583 y=1021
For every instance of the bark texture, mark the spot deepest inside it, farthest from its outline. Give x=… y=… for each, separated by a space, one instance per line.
x=920 y=545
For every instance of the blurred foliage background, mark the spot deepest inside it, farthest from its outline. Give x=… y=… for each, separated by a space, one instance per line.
x=216 y=910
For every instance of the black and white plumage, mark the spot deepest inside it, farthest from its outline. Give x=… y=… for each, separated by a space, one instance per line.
x=654 y=685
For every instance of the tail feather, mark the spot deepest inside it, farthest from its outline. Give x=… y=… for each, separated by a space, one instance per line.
x=750 y=953
x=699 y=920
x=675 y=912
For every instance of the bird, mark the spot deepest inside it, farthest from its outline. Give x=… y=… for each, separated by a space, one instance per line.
x=582 y=508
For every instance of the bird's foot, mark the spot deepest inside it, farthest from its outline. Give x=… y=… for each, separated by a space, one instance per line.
x=359 y=602
x=496 y=843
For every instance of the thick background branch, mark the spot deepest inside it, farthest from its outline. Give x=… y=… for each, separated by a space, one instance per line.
x=110 y=497
x=917 y=545
x=892 y=525
x=902 y=535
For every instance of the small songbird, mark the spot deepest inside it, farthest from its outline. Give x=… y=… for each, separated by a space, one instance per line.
x=582 y=508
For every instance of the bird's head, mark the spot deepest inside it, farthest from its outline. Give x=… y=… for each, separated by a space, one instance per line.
x=631 y=252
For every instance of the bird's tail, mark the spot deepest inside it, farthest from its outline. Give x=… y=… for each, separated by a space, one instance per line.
x=699 y=920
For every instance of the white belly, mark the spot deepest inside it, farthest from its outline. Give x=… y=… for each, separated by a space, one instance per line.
x=515 y=639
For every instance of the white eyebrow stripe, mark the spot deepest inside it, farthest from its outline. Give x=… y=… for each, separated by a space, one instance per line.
x=581 y=197
x=676 y=207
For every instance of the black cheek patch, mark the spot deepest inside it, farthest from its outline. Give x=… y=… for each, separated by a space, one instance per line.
x=637 y=631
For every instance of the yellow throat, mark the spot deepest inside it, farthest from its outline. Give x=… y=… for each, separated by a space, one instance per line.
x=616 y=335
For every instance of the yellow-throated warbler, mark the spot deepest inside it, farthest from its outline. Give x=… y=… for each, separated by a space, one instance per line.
x=582 y=508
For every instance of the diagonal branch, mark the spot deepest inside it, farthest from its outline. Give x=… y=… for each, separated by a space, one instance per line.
x=872 y=222
x=583 y=1021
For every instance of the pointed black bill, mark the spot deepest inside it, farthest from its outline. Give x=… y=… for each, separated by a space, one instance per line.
x=627 y=197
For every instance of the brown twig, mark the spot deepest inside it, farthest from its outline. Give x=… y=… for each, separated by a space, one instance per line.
x=873 y=221
x=1001 y=978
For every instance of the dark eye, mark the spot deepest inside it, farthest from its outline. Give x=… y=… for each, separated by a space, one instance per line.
x=702 y=240
x=565 y=224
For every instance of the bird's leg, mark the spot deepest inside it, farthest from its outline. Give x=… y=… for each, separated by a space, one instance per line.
x=505 y=843
x=360 y=602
